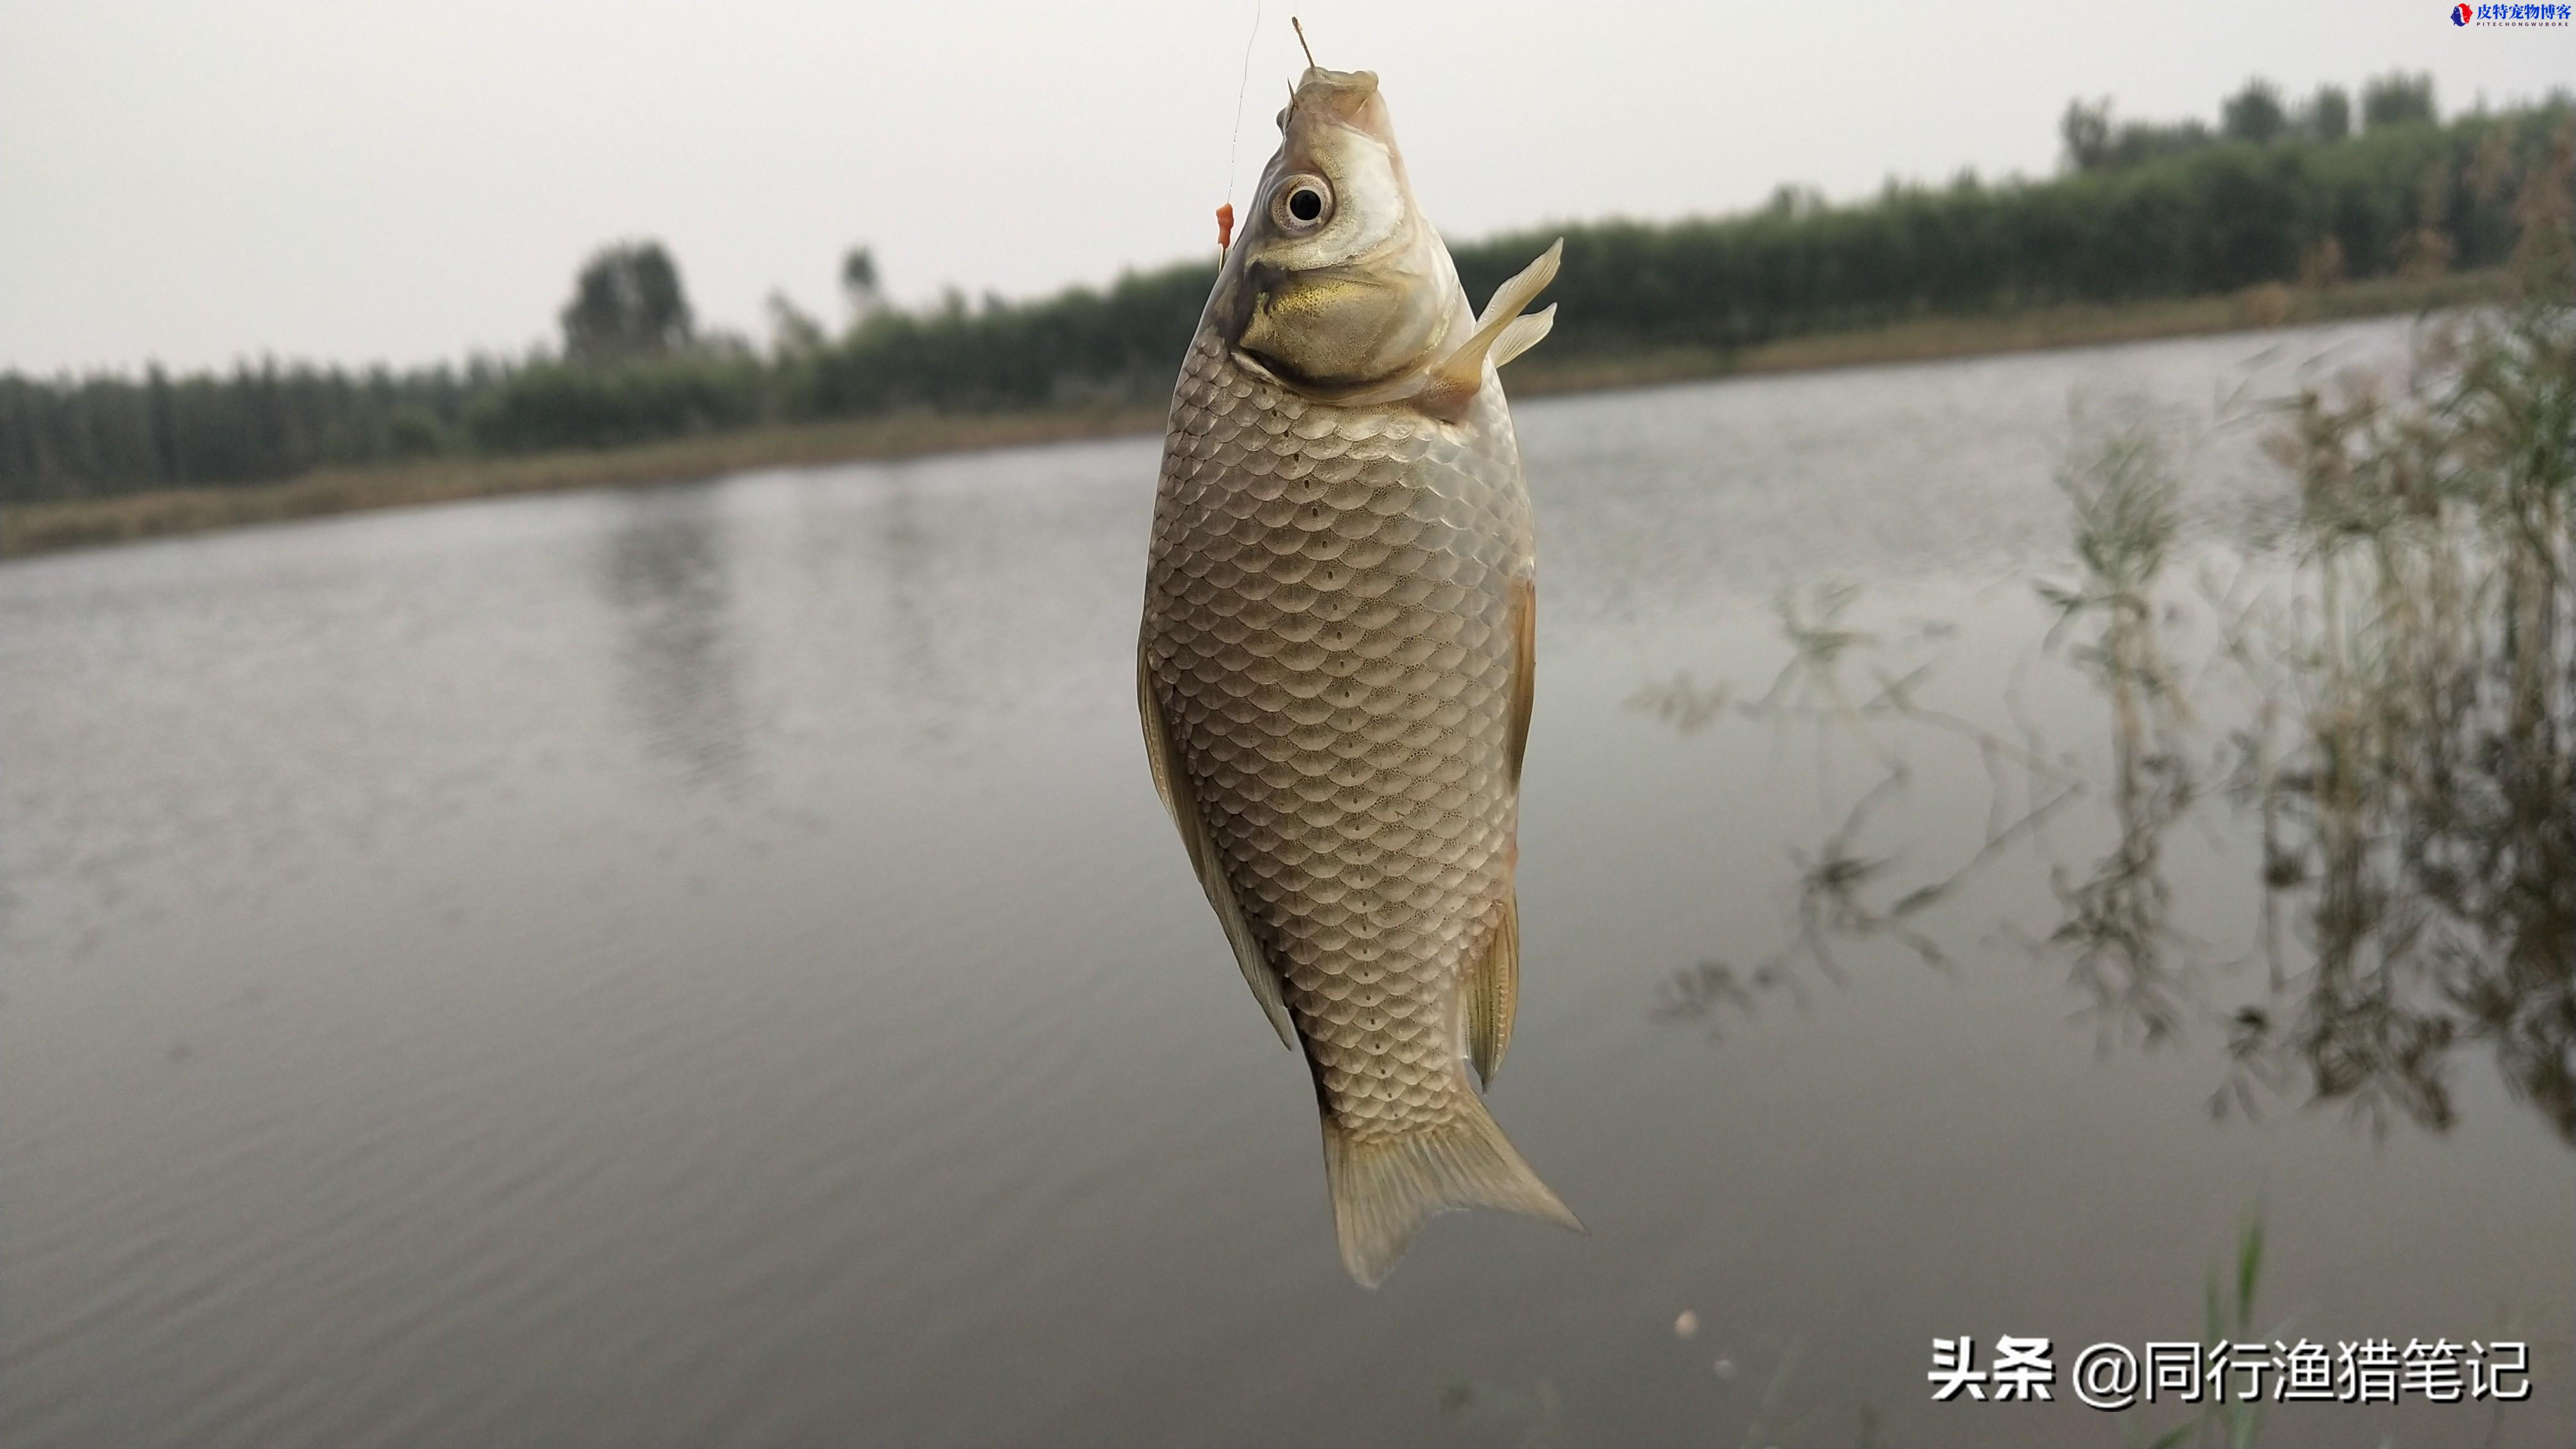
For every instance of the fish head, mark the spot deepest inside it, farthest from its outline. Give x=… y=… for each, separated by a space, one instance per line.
x=1338 y=281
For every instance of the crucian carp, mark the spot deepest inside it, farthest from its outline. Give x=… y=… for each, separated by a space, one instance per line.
x=1335 y=664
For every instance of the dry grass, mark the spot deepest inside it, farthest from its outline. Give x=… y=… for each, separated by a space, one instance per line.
x=84 y=523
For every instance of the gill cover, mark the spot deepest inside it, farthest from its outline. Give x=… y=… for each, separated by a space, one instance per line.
x=1338 y=281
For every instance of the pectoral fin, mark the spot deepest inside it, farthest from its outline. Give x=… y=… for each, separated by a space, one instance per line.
x=1513 y=297
x=1501 y=334
x=1494 y=993
x=1173 y=784
x=1524 y=333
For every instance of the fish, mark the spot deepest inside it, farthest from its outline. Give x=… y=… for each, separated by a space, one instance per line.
x=1335 y=663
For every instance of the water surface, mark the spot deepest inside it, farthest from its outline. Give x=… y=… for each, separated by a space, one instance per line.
x=706 y=964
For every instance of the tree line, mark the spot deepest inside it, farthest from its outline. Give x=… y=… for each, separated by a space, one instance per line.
x=2276 y=191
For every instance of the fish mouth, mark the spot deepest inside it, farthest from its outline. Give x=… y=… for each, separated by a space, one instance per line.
x=1349 y=97
x=1319 y=86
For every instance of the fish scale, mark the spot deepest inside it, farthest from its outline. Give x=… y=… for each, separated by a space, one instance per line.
x=1327 y=631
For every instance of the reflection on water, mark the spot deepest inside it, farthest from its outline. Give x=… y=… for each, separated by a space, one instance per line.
x=663 y=569
x=2424 y=806
x=2384 y=706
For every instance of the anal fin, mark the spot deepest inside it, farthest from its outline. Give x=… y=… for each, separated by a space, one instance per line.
x=1173 y=784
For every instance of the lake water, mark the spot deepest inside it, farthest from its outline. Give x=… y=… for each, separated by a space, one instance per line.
x=706 y=964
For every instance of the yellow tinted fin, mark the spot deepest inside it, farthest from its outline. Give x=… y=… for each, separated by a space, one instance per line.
x=1512 y=298
x=1384 y=1187
x=1455 y=379
x=1524 y=333
x=1173 y=784
x=1494 y=992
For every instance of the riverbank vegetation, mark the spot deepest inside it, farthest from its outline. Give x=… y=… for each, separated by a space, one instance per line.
x=2282 y=211
x=2362 y=690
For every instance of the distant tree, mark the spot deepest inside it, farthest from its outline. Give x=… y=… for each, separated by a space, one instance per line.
x=2086 y=130
x=1794 y=201
x=2328 y=117
x=163 y=425
x=626 y=303
x=793 y=332
x=2253 y=114
x=859 y=283
x=2169 y=213
x=2397 y=99
x=2138 y=143
x=413 y=431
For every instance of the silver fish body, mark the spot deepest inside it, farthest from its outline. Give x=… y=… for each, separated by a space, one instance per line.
x=1335 y=673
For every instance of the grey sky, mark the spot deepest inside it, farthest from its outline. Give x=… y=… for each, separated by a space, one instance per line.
x=354 y=181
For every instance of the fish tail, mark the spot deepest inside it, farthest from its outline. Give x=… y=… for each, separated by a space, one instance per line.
x=1384 y=1187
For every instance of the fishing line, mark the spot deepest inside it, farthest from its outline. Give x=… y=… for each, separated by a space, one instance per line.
x=1243 y=85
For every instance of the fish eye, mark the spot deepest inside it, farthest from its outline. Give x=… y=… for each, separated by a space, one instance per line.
x=1302 y=203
